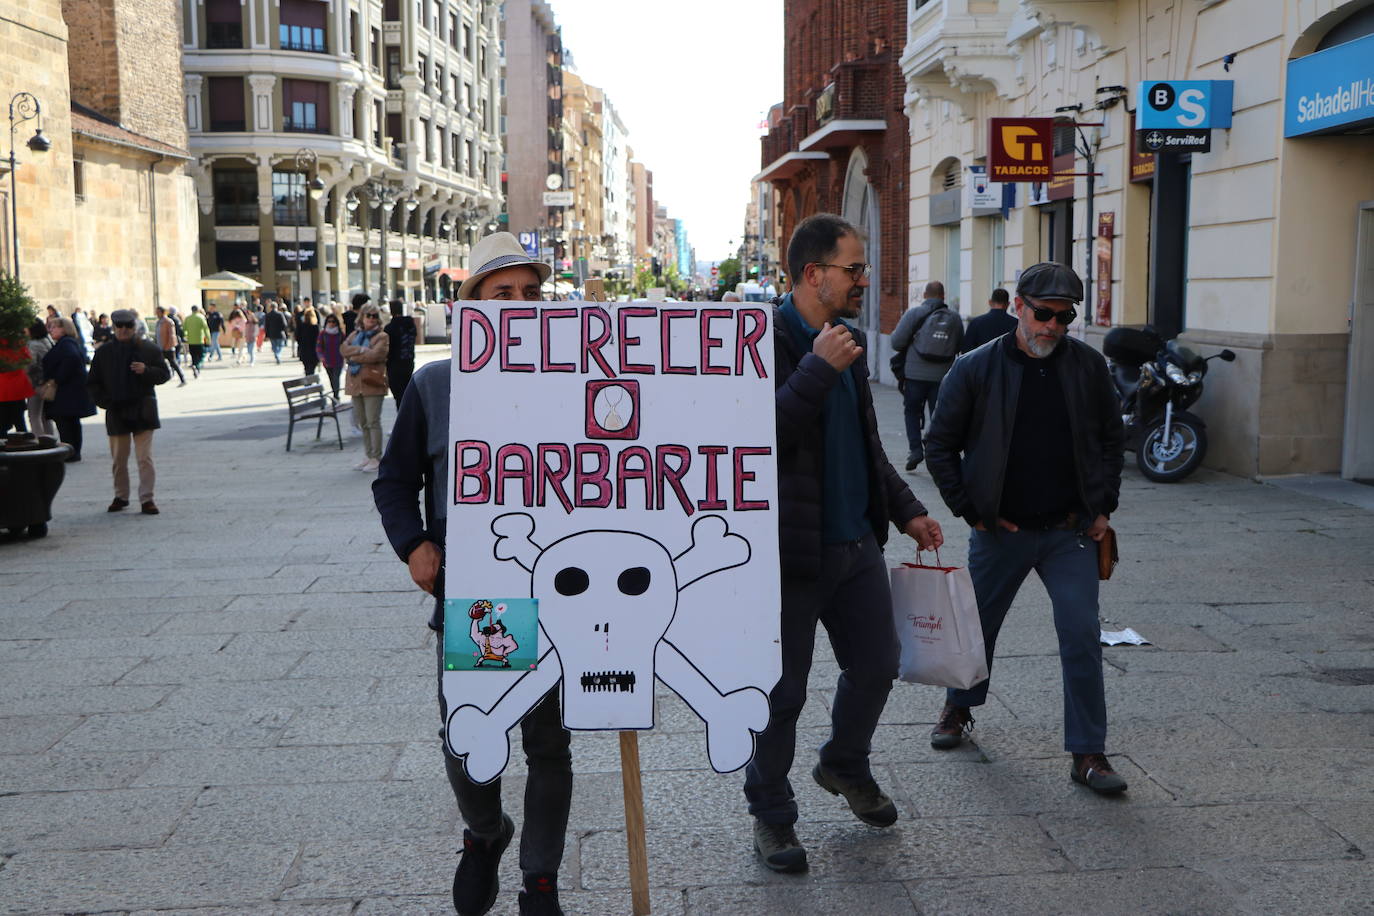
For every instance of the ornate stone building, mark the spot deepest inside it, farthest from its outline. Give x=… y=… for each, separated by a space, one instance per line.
x=398 y=95
x=105 y=217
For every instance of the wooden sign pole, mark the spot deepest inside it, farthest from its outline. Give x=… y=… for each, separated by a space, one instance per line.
x=634 y=822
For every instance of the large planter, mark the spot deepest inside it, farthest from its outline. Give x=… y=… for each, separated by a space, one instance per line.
x=31 y=472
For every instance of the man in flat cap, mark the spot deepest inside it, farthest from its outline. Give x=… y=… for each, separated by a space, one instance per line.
x=412 y=475
x=123 y=379
x=1026 y=446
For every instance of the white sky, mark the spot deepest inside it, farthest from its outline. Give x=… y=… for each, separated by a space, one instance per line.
x=691 y=84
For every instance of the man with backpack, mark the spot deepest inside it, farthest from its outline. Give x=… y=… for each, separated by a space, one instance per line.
x=924 y=345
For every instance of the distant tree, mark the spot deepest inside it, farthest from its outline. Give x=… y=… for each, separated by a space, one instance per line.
x=728 y=276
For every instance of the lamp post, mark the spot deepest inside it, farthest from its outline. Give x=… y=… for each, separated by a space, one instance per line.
x=383 y=196
x=314 y=188
x=23 y=107
x=410 y=204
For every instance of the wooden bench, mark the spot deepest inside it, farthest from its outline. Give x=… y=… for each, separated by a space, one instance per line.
x=306 y=400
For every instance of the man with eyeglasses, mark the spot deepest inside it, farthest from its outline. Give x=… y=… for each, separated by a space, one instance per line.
x=837 y=493
x=123 y=379
x=1026 y=446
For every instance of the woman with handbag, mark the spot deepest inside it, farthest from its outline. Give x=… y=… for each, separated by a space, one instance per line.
x=64 y=370
x=39 y=344
x=366 y=350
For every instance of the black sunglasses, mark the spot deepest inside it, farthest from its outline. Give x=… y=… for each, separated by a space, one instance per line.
x=1042 y=314
x=124 y=324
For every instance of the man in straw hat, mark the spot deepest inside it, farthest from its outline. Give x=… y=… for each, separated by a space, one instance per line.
x=416 y=459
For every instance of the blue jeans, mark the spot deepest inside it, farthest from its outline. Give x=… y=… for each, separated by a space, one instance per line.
x=852 y=598
x=917 y=398
x=277 y=344
x=1066 y=562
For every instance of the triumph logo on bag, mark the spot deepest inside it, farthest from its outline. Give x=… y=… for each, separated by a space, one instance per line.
x=926 y=623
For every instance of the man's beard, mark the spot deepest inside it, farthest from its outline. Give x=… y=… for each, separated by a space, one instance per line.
x=847 y=304
x=1038 y=346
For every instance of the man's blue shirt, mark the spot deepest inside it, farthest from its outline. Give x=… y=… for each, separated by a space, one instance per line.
x=844 y=493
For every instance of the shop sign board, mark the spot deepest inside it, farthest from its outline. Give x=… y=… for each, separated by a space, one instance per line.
x=984 y=196
x=1020 y=149
x=1331 y=90
x=1183 y=104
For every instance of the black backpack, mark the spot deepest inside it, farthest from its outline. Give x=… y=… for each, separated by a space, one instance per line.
x=940 y=335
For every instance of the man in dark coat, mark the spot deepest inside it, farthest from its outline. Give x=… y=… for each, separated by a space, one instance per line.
x=1026 y=447
x=123 y=378
x=837 y=493
x=400 y=359
x=990 y=325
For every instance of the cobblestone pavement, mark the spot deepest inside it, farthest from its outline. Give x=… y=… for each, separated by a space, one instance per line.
x=229 y=709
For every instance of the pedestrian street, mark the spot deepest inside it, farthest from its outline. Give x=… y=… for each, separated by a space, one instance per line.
x=228 y=709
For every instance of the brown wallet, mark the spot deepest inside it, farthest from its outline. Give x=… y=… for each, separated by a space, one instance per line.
x=1107 y=556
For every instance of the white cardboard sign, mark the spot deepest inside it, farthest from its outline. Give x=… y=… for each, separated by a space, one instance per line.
x=616 y=463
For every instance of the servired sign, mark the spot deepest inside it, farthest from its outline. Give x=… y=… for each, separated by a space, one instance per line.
x=1021 y=149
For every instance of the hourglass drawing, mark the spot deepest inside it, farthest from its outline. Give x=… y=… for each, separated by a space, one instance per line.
x=612 y=409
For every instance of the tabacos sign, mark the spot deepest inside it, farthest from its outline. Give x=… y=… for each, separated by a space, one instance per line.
x=1020 y=149
x=1331 y=91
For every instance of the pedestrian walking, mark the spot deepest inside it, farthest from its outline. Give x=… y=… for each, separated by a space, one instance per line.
x=365 y=352
x=990 y=325
x=214 y=322
x=123 y=379
x=400 y=360
x=237 y=325
x=167 y=342
x=929 y=335
x=65 y=365
x=416 y=460
x=1026 y=446
x=307 y=336
x=837 y=494
x=274 y=324
x=85 y=333
x=328 y=347
x=39 y=344
x=250 y=335
x=197 y=338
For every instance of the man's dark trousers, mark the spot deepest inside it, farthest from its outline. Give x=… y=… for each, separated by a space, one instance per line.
x=548 y=787
x=851 y=596
x=918 y=398
x=1066 y=562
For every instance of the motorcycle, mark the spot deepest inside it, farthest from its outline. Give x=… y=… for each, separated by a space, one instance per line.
x=1157 y=381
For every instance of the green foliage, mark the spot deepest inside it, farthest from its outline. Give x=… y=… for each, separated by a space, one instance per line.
x=727 y=277
x=644 y=281
x=17 y=313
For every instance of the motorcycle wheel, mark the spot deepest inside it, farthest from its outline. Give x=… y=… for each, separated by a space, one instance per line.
x=1169 y=462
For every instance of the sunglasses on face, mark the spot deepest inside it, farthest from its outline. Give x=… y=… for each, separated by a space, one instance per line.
x=126 y=325
x=856 y=271
x=1043 y=314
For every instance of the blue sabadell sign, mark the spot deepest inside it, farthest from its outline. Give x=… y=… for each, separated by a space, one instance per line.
x=1330 y=90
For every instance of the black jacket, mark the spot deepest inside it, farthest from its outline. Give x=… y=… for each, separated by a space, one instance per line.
x=65 y=363
x=801 y=382
x=970 y=433
x=129 y=400
x=274 y=323
x=988 y=326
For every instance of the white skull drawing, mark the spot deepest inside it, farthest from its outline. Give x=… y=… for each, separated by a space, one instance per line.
x=605 y=600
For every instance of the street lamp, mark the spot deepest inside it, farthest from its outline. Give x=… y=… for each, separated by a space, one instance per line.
x=411 y=204
x=383 y=196
x=314 y=187
x=23 y=107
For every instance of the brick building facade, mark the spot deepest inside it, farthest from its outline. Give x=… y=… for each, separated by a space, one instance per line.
x=842 y=145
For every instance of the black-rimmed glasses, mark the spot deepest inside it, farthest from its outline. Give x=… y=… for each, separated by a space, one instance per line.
x=856 y=271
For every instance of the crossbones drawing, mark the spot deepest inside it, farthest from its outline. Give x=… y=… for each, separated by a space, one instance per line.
x=606 y=600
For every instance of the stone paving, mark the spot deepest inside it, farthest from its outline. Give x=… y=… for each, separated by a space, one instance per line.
x=229 y=709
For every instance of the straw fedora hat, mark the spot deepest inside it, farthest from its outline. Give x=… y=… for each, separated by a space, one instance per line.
x=497 y=252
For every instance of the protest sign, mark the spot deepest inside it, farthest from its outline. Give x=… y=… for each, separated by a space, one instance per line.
x=616 y=463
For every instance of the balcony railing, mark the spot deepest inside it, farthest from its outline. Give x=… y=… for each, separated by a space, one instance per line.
x=302 y=38
x=221 y=127
x=220 y=35
x=303 y=127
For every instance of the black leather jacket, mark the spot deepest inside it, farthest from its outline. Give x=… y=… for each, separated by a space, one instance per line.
x=966 y=449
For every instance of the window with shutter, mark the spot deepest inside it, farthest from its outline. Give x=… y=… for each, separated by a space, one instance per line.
x=301 y=25
x=227 y=104
x=223 y=24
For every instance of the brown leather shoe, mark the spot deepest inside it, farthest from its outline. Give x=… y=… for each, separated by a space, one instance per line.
x=949 y=732
x=118 y=505
x=150 y=508
x=1093 y=771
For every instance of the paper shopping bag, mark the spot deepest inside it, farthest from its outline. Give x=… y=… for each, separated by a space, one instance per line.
x=936 y=615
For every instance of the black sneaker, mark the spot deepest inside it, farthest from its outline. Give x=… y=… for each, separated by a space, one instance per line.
x=779 y=848
x=474 y=883
x=540 y=896
x=912 y=462
x=1093 y=771
x=955 y=722
x=865 y=799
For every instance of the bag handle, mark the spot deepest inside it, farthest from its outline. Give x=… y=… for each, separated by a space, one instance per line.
x=939 y=564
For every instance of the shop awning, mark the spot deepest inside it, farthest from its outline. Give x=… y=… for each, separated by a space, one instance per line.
x=228 y=280
x=787 y=165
